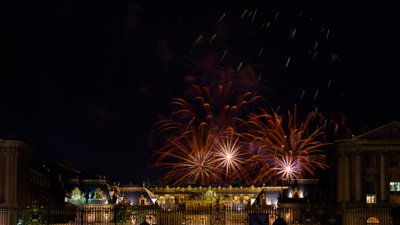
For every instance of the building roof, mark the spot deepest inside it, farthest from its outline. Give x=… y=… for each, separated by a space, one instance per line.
x=133 y=194
x=14 y=146
x=387 y=131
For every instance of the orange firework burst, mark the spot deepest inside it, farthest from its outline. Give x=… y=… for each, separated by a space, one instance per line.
x=198 y=155
x=286 y=152
x=287 y=168
x=189 y=157
x=208 y=141
x=230 y=155
x=219 y=108
x=201 y=143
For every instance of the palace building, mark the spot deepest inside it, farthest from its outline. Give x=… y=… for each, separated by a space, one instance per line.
x=368 y=175
x=365 y=190
x=14 y=172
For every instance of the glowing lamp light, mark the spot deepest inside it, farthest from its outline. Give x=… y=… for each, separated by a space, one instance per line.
x=154 y=200
x=252 y=200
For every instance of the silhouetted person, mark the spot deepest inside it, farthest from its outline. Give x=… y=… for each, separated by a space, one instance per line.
x=279 y=221
x=144 y=223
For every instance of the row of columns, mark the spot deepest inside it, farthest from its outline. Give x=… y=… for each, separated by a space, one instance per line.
x=13 y=173
x=10 y=178
x=350 y=178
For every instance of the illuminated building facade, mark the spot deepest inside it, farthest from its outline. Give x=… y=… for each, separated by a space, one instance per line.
x=198 y=204
x=367 y=191
x=368 y=175
x=59 y=185
x=14 y=165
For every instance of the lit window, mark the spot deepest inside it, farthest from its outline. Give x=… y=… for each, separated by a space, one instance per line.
x=236 y=200
x=98 y=194
x=263 y=199
x=142 y=200
x=162 y=199
x=372 y=220
x=171 y=199
x=76 y=193
x=246 y=200
x=394 y=186
x=395 y=199
x=371 y=198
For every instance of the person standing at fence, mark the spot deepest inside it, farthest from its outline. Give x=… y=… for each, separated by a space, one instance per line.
x=144 y=223
x=279 y=221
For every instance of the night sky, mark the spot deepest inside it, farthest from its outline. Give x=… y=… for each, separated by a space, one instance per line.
x=84 y=81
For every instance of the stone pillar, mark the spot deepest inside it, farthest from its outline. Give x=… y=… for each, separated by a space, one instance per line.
x=2 y=177
x=382 y=171
x=14 y=179
x=11 y=176
x=340 y=179
x=7 y=176
x=343 y=178
x=357 y=177
x=346 y=178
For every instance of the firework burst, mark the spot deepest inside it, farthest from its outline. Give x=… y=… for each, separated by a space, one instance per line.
x=289 y=152
x=189 y=157
x=201 y=156
x=216 y=133
x=202 y=144
x=287 y=168
x=219 y=107
x=230 y=155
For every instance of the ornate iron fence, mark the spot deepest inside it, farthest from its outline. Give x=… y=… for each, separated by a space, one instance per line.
x=140 y=215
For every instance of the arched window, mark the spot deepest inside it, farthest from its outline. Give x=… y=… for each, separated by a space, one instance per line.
x=296 y=192
x=171 y=199
x=372 y=220
x=161 y=199
x=246 y=199
x=142 y=200
x=263 y=199
x=98 y=194
x=76 y=193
